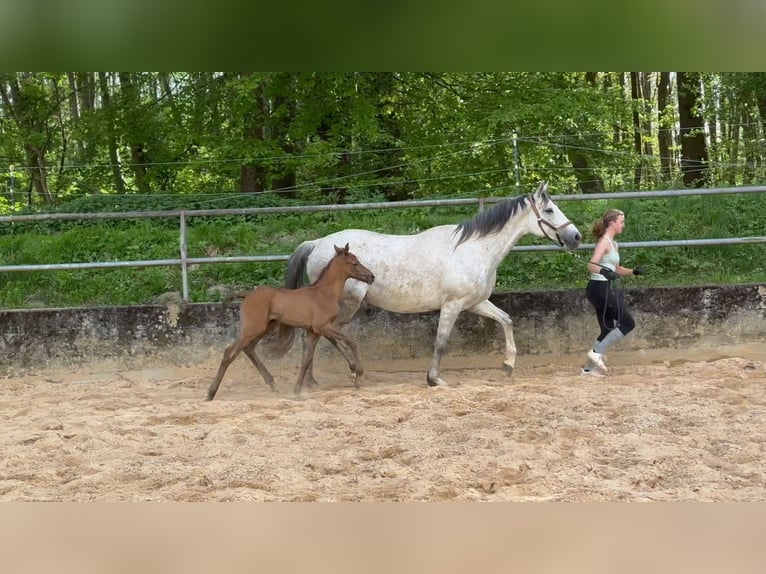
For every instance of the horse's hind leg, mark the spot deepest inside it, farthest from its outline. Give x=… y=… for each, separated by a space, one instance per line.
x=256 y=360
x=308 y=360
x=447 y=318
x=229 y=355
x=487 y=309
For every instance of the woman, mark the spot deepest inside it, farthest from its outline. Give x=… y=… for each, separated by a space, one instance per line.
x=613 y=316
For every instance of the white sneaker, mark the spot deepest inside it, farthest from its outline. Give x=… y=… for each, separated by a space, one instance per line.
x=587 y=371
x=597 y=360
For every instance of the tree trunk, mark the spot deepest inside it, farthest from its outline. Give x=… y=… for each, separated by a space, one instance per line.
x=750 y=142
x=587 y=180
x=31 y=124
x=74 y=112
x=647 y=106
x=114 y=160
x=279 y=121
x=694 y=158
x=734 y=134
x=131 y=108
x=252 y=176
x=635 y=97
x=664 y=113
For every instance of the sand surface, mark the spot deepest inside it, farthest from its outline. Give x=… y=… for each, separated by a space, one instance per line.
x=666 y=425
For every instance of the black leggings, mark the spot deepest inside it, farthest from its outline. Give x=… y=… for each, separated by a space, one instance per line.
x=611 y=310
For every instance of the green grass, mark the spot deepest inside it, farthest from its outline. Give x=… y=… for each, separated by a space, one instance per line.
x=120 y=240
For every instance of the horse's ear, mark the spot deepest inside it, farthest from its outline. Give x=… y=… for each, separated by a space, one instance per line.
x=338 y=250
x=345 y=249
x=542 y=192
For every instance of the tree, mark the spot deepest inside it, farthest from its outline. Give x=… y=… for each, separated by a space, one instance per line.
x=666 y=116
x=694 y=155
x=111 y=136
x=28 y=98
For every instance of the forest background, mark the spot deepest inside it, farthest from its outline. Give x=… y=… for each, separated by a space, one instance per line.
x=125 y=141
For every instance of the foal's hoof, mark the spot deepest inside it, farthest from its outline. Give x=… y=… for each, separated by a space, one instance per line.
x=508 y=369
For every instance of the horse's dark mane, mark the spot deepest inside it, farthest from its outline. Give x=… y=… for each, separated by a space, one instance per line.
x=492 y=221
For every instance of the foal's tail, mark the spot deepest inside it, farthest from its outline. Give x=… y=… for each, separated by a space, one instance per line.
x=296 y=265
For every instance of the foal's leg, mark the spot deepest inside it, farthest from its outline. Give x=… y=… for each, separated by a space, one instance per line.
x=308 y=359
x=349 y=305
x=344 y=349
x=447 y=318
x=256 y=360
x=229 y=355
x=487 y=309
x=333 y=333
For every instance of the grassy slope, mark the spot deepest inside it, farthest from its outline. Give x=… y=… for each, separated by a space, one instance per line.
x=64 y=242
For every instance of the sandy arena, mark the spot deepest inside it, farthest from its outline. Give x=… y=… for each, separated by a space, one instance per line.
x=666 y=425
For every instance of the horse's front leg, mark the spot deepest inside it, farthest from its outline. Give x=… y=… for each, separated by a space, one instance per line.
x=487 y=309
x=308 y=360
x=349 y=353
x=336 y=337
x=348 y=306
x=447 y=318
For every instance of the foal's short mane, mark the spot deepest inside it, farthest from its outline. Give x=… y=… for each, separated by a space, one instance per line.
x=492 y=221
x=326 y=267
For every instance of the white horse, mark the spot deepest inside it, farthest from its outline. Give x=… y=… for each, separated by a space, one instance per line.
x=450 y=268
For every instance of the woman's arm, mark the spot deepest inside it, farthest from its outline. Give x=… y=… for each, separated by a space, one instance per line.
x=602 y=247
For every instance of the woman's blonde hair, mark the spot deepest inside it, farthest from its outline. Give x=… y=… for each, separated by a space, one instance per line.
x=600 y=225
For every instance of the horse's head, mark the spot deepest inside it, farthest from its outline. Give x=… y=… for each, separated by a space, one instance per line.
x=551 y=221
x=351 y=265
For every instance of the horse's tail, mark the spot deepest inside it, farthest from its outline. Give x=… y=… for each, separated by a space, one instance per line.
x=296 y=265
x=283 y=342
x=296 y=270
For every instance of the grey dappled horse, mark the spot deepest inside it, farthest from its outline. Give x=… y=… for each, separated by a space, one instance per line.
x=450 y=268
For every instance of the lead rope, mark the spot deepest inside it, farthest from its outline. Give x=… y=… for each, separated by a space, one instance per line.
x=619 y=293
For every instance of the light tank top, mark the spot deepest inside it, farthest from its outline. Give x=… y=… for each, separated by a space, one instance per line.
x=611 y=259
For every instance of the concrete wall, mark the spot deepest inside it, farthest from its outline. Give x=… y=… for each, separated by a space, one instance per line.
x=555 y=322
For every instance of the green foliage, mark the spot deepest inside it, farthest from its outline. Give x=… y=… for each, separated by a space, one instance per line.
x=170 y=141
x=270 y=234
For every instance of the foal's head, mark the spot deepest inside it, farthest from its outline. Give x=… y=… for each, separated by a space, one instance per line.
x=347 y=263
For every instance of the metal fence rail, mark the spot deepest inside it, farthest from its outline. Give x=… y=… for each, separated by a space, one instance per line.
x=184 y=260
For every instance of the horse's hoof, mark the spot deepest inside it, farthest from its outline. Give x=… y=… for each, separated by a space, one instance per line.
x=439 y=382
x=508 y=369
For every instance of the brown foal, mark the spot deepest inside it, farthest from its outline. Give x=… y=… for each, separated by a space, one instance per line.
x=313 y=308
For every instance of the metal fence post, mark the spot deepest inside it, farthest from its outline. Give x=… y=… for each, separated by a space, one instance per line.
x=184 y=254
x=516 y=163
